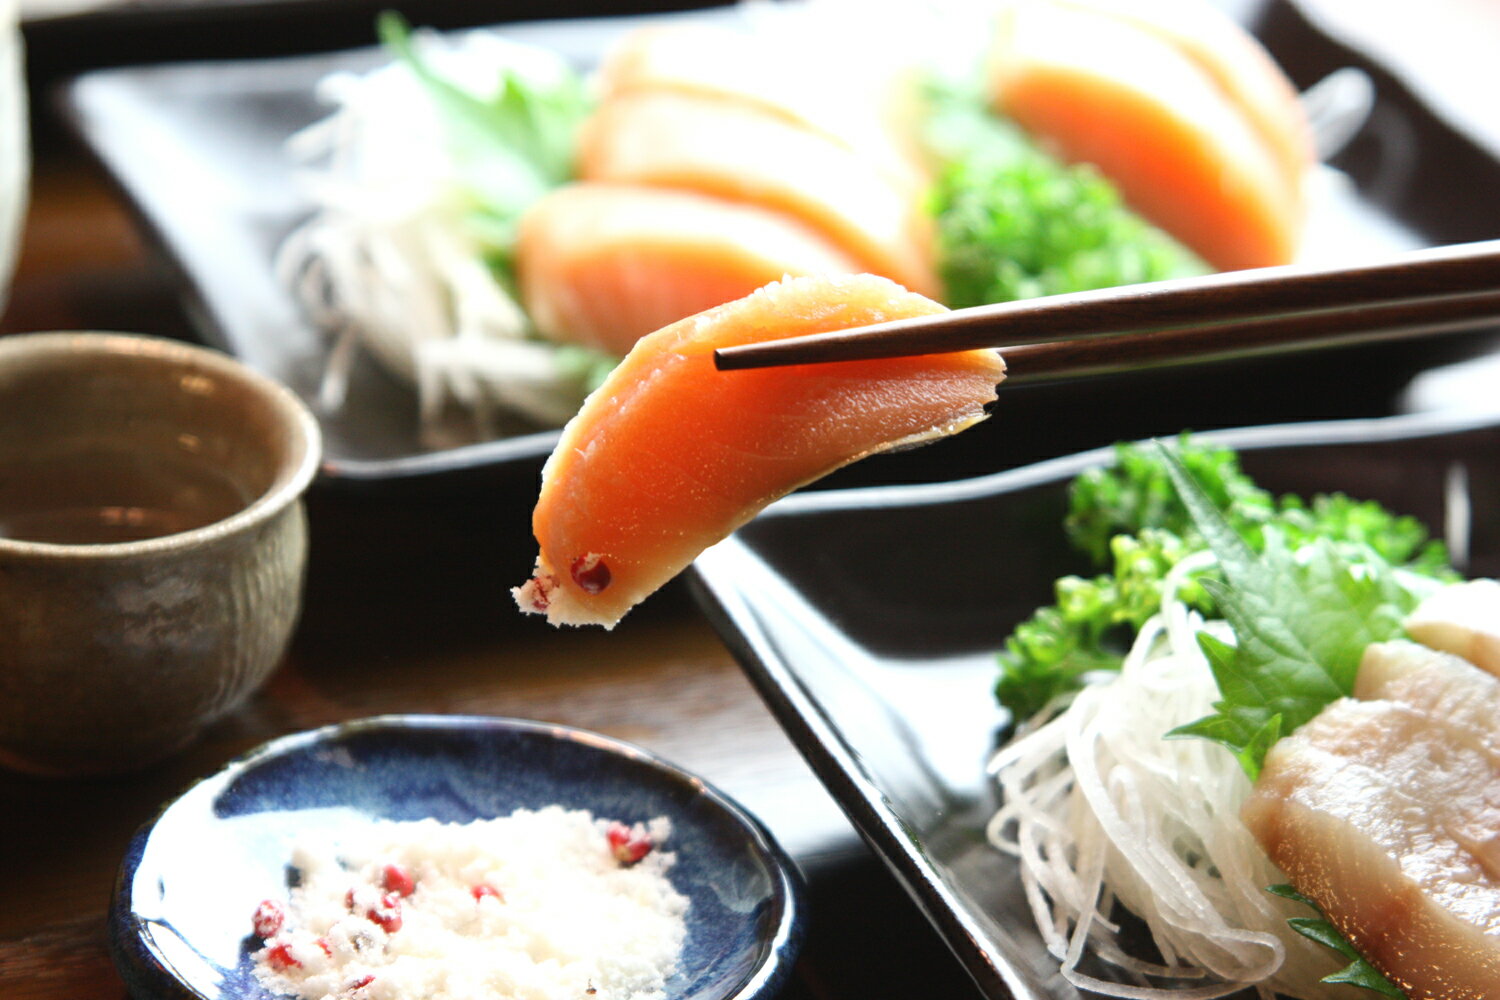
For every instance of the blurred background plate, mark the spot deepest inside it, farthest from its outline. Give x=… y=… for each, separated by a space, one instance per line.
x=869 y=620
x=197 y=147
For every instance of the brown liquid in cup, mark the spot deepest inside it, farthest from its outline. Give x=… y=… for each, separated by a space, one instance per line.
x=100 y=497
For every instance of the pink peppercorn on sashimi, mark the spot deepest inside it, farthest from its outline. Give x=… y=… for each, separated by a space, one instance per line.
x=670 y=455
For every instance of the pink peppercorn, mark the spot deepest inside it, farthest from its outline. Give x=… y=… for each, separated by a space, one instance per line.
x=398 y=880
x=387 y=914
x=280 y=957
x=269 y=918
x=591 y=573
x=628 y=844
x=482 y=890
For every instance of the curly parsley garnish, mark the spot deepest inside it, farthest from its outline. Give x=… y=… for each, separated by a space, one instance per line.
x=1131 y=522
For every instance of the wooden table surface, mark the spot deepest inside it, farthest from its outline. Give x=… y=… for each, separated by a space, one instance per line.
x=406 y=612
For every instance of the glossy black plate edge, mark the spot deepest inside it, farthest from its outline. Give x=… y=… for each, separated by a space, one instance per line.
x=146 y=978
x=1281 y=17
x=818 y=739
x=817 y=735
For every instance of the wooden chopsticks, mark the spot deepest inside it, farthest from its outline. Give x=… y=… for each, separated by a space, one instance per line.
x=1190 y=319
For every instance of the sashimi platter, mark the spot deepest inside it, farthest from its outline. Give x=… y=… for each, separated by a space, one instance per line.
x=498 y=228
x=1263 y=738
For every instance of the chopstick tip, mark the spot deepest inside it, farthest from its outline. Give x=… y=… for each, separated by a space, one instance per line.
x=728 y=359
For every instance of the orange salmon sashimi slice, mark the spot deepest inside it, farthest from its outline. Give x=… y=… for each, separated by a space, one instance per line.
x=671 y=455
x=740 y=153
x=1238 y=65
x=605 y=264
x=1107 y=91
x=860 y=111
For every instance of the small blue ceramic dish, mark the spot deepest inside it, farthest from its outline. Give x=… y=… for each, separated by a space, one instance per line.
x=179 y=921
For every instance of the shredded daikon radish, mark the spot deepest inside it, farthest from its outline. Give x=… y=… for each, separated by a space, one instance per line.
x=389 y=260
x=1101 y=809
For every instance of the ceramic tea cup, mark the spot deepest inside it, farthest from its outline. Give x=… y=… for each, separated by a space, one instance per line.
x=152 y=544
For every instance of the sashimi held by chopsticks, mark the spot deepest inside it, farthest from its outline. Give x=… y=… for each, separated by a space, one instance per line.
x=670 y=455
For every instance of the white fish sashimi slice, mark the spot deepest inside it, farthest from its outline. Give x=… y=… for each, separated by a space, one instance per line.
x=1462 y=619
x=1372 y=831
x=1452 y=776
x=1443 y=687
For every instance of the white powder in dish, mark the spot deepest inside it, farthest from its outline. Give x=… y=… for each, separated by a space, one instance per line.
x=551 y=904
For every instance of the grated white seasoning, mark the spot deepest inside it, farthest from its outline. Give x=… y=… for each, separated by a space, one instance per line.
x=539 y=905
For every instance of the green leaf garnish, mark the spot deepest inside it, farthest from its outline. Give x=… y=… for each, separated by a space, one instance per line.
x=1137 y=493
x=1301 y=624
x=512 y=146
x=585 y=366
x=1129 y=520
x=1014 y=222
x=1358 y=972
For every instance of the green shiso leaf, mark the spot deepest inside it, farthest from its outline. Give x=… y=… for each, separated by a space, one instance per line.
x=512 y=146
x=1132 y=524
x=1301 y=623
x=1358 y=972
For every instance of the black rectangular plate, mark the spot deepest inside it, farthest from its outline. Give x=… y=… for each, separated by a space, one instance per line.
x=869 y=621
